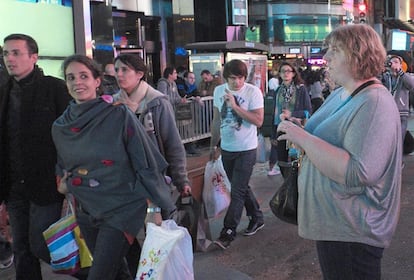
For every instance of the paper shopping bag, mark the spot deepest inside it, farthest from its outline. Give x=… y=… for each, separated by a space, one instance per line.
x=85 y=256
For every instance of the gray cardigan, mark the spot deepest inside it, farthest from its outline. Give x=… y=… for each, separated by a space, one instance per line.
x=366 y=208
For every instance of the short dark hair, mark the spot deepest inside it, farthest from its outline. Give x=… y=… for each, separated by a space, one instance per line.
x=30 y=42
x=235 y=67
x=168 y=71
x=133 y=61
x=186 y=73
x=205 y=71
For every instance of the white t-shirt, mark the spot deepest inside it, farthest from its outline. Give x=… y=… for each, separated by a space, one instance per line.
x=273 y=83
x=238 y=134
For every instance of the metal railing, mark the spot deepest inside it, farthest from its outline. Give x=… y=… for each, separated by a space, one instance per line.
x=198 y=127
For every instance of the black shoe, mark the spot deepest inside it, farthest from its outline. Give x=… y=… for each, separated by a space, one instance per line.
x=225 y=239
x=253 y=227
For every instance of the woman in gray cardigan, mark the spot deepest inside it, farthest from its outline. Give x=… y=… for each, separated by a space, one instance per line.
x=350 y=179
x=109 y=165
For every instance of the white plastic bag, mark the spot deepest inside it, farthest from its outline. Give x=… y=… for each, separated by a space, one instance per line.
x=167 y=253
x=261 y=153
x=216 y=190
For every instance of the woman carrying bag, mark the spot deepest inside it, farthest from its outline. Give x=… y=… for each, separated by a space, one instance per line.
x=109 y=165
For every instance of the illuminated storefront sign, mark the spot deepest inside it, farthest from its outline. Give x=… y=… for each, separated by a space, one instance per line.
x=49 y=22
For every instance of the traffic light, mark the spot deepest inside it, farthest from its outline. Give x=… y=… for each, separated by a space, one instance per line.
x=362 y=8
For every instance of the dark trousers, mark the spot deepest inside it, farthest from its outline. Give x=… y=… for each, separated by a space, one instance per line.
x=239 y=168
x=108 y=246
x=132 y=257
x=28 y=221
x=273 y=147
x=349 y=260
x=279 y=154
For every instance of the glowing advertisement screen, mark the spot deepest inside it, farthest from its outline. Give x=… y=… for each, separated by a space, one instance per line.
x=49 y=22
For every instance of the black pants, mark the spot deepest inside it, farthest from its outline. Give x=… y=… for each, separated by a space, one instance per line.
x=349 y=260
x=133 y=257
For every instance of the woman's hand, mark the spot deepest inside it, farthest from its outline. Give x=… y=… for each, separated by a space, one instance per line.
x=62 y=184
x=285 y=115
x=291 y=132
x=154 y=218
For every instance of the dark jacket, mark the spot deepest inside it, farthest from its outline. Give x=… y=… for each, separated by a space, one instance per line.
x=112 y=177
x=301 y=103
x=45 y=98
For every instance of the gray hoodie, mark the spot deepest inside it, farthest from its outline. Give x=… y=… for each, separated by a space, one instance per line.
x=157 y=115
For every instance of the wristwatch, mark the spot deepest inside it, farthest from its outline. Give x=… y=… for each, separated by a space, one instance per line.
x=153 y=210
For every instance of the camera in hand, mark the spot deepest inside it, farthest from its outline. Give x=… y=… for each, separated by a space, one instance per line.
x=387 y=64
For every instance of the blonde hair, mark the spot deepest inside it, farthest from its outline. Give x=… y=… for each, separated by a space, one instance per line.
x=363 y=48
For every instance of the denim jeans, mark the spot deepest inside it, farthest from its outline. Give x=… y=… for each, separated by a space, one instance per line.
x=349 y=260
x=239 y=168
x=28 y=221
x=108 y=246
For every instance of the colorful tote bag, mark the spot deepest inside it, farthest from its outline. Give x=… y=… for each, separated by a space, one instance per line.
x=68 y=250
x=63 y=248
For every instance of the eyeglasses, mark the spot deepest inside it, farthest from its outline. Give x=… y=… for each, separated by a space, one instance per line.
x=286 y=71
x=14 y=53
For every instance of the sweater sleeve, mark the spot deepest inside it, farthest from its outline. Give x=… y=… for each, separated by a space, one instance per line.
x=173 y=148
x=148 y=163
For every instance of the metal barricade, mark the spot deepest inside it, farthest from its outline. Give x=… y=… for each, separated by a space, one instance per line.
x=198 y=127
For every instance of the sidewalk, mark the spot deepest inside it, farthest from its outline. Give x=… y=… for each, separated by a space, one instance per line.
x=277 y=252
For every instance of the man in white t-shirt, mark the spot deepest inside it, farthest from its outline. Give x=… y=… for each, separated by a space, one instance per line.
x=238 y=111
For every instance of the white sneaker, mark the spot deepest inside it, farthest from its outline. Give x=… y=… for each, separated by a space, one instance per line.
x=273 y=172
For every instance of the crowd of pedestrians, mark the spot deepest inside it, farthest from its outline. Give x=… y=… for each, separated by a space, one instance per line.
x=129 y=176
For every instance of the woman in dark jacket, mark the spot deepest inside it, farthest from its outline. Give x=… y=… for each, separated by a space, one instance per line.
x=292 y=102
x=109 y=165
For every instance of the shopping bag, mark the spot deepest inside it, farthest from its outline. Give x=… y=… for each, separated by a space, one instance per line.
x=63 y=248
x=68 y=250
x=166 y=253
x=216 y=189
x=85 y=256
x=186 y=216
x=261 y=153
x=284 y=203
x=203 y=239
x=6 y=252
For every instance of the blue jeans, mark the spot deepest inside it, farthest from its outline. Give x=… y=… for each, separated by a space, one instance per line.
x=108 y=246
x=28 y=221
x=239 y=168
x=349 y=260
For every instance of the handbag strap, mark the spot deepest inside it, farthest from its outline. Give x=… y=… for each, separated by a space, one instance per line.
x=69 y=208
x=356 y=91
